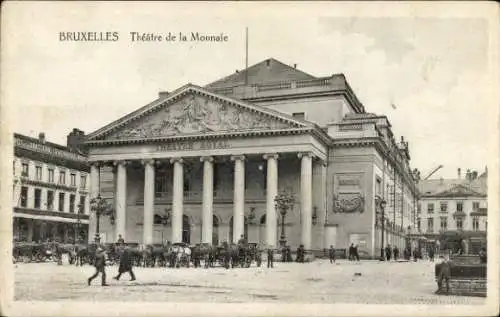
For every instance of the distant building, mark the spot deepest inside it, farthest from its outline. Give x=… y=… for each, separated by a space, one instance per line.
x=50 y=195
x=455 y=205
x=204 y=164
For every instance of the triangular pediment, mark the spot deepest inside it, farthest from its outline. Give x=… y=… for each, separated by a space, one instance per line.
x=458 y=191
x=191 y=110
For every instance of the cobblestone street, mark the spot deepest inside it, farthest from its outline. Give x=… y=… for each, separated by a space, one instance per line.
x=317 y=282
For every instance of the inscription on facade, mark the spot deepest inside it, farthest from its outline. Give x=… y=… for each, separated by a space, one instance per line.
x=194 y=146
x=348 y=182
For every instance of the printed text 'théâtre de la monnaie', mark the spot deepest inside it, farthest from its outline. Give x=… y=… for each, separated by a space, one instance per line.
x=143 y=37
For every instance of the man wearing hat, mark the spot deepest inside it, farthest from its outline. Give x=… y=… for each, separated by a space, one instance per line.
x=100 y=264
x=125 y=264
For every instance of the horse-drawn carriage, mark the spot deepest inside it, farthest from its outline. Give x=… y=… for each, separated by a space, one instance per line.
x=33 y=252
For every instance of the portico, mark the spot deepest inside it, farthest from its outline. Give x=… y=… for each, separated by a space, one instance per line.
x=218 y=157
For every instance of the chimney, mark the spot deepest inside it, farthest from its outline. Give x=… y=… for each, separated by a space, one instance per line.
x=468 y=175
x=294 y=65
x=268 y=62
x=474 y=175
x=41 y=137
x=459 y=170
x=75 y=139
x=163 y=94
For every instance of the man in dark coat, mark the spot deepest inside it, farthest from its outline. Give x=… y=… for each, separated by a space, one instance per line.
x=396 y=253
x=270 y=254
x=388 y=252
x=125 y=264
x=355 y=253
x=100 y=264
x=331 y=253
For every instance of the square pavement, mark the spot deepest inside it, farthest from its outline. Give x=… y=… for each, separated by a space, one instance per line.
x=316 y=282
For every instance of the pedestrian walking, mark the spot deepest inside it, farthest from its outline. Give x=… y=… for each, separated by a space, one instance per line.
x=100 y=267
x=270 y=260
x=355 y=252
x=125 y=264
x=388 y=252
x=332 y=254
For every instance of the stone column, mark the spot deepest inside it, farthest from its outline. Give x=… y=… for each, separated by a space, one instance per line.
x=272 y=192
x=239 y=197
x=94 y=180
x=306 y=198
x=30 y=229
x=149 y=199
x=177 y=200
x=94 y=190
x=121 y=200
x=208 y=196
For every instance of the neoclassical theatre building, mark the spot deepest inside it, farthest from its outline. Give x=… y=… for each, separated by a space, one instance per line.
x=204 y=164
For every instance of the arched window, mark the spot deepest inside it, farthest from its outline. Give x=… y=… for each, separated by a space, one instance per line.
x=215 y=230
x=263 y=219
x=186 y=229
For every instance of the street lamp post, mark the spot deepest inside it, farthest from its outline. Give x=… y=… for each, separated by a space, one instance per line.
x=283 y=203
x=381 y=203
x=100 y=206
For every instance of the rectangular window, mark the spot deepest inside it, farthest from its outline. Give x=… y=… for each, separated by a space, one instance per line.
x=160 y=184
x=51 y=175
x=419 y=207
x=460 y=223
x=418 y=224
x=72 y=179
x=50 y=200
x=443 y=206
x=430 y=225
x=81 y=206
x=299 y=115
x=430 y=208
x=62 y=177
x=38 y=198
x=72 y=203
x=379 y=187
x=25 y=170
x=83 y=181
x=475 y=205
x=460 y=206
x=61 y=202
x=38 y=170
x=24 y=196
x=475 y=224
x=444 y=223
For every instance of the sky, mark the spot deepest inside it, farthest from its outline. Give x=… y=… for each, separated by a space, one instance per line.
x=434 y=69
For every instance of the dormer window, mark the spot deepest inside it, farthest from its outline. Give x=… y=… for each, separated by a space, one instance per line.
x=299 y=115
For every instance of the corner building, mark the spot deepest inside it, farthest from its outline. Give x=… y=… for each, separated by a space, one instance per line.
x=204 y=164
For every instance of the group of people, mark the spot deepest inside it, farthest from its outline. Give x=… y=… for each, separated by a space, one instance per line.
x=124 y=267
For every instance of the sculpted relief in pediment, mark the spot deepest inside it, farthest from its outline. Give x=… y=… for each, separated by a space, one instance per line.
x=198 y=114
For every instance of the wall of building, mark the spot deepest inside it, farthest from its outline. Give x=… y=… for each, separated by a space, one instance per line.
x=320 y=110
x=356 y=165
x=81 y=188
x=468 y=203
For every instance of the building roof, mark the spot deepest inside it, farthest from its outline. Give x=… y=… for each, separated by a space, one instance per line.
x=49 y=152
x=269 y=70
x=453 y=187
